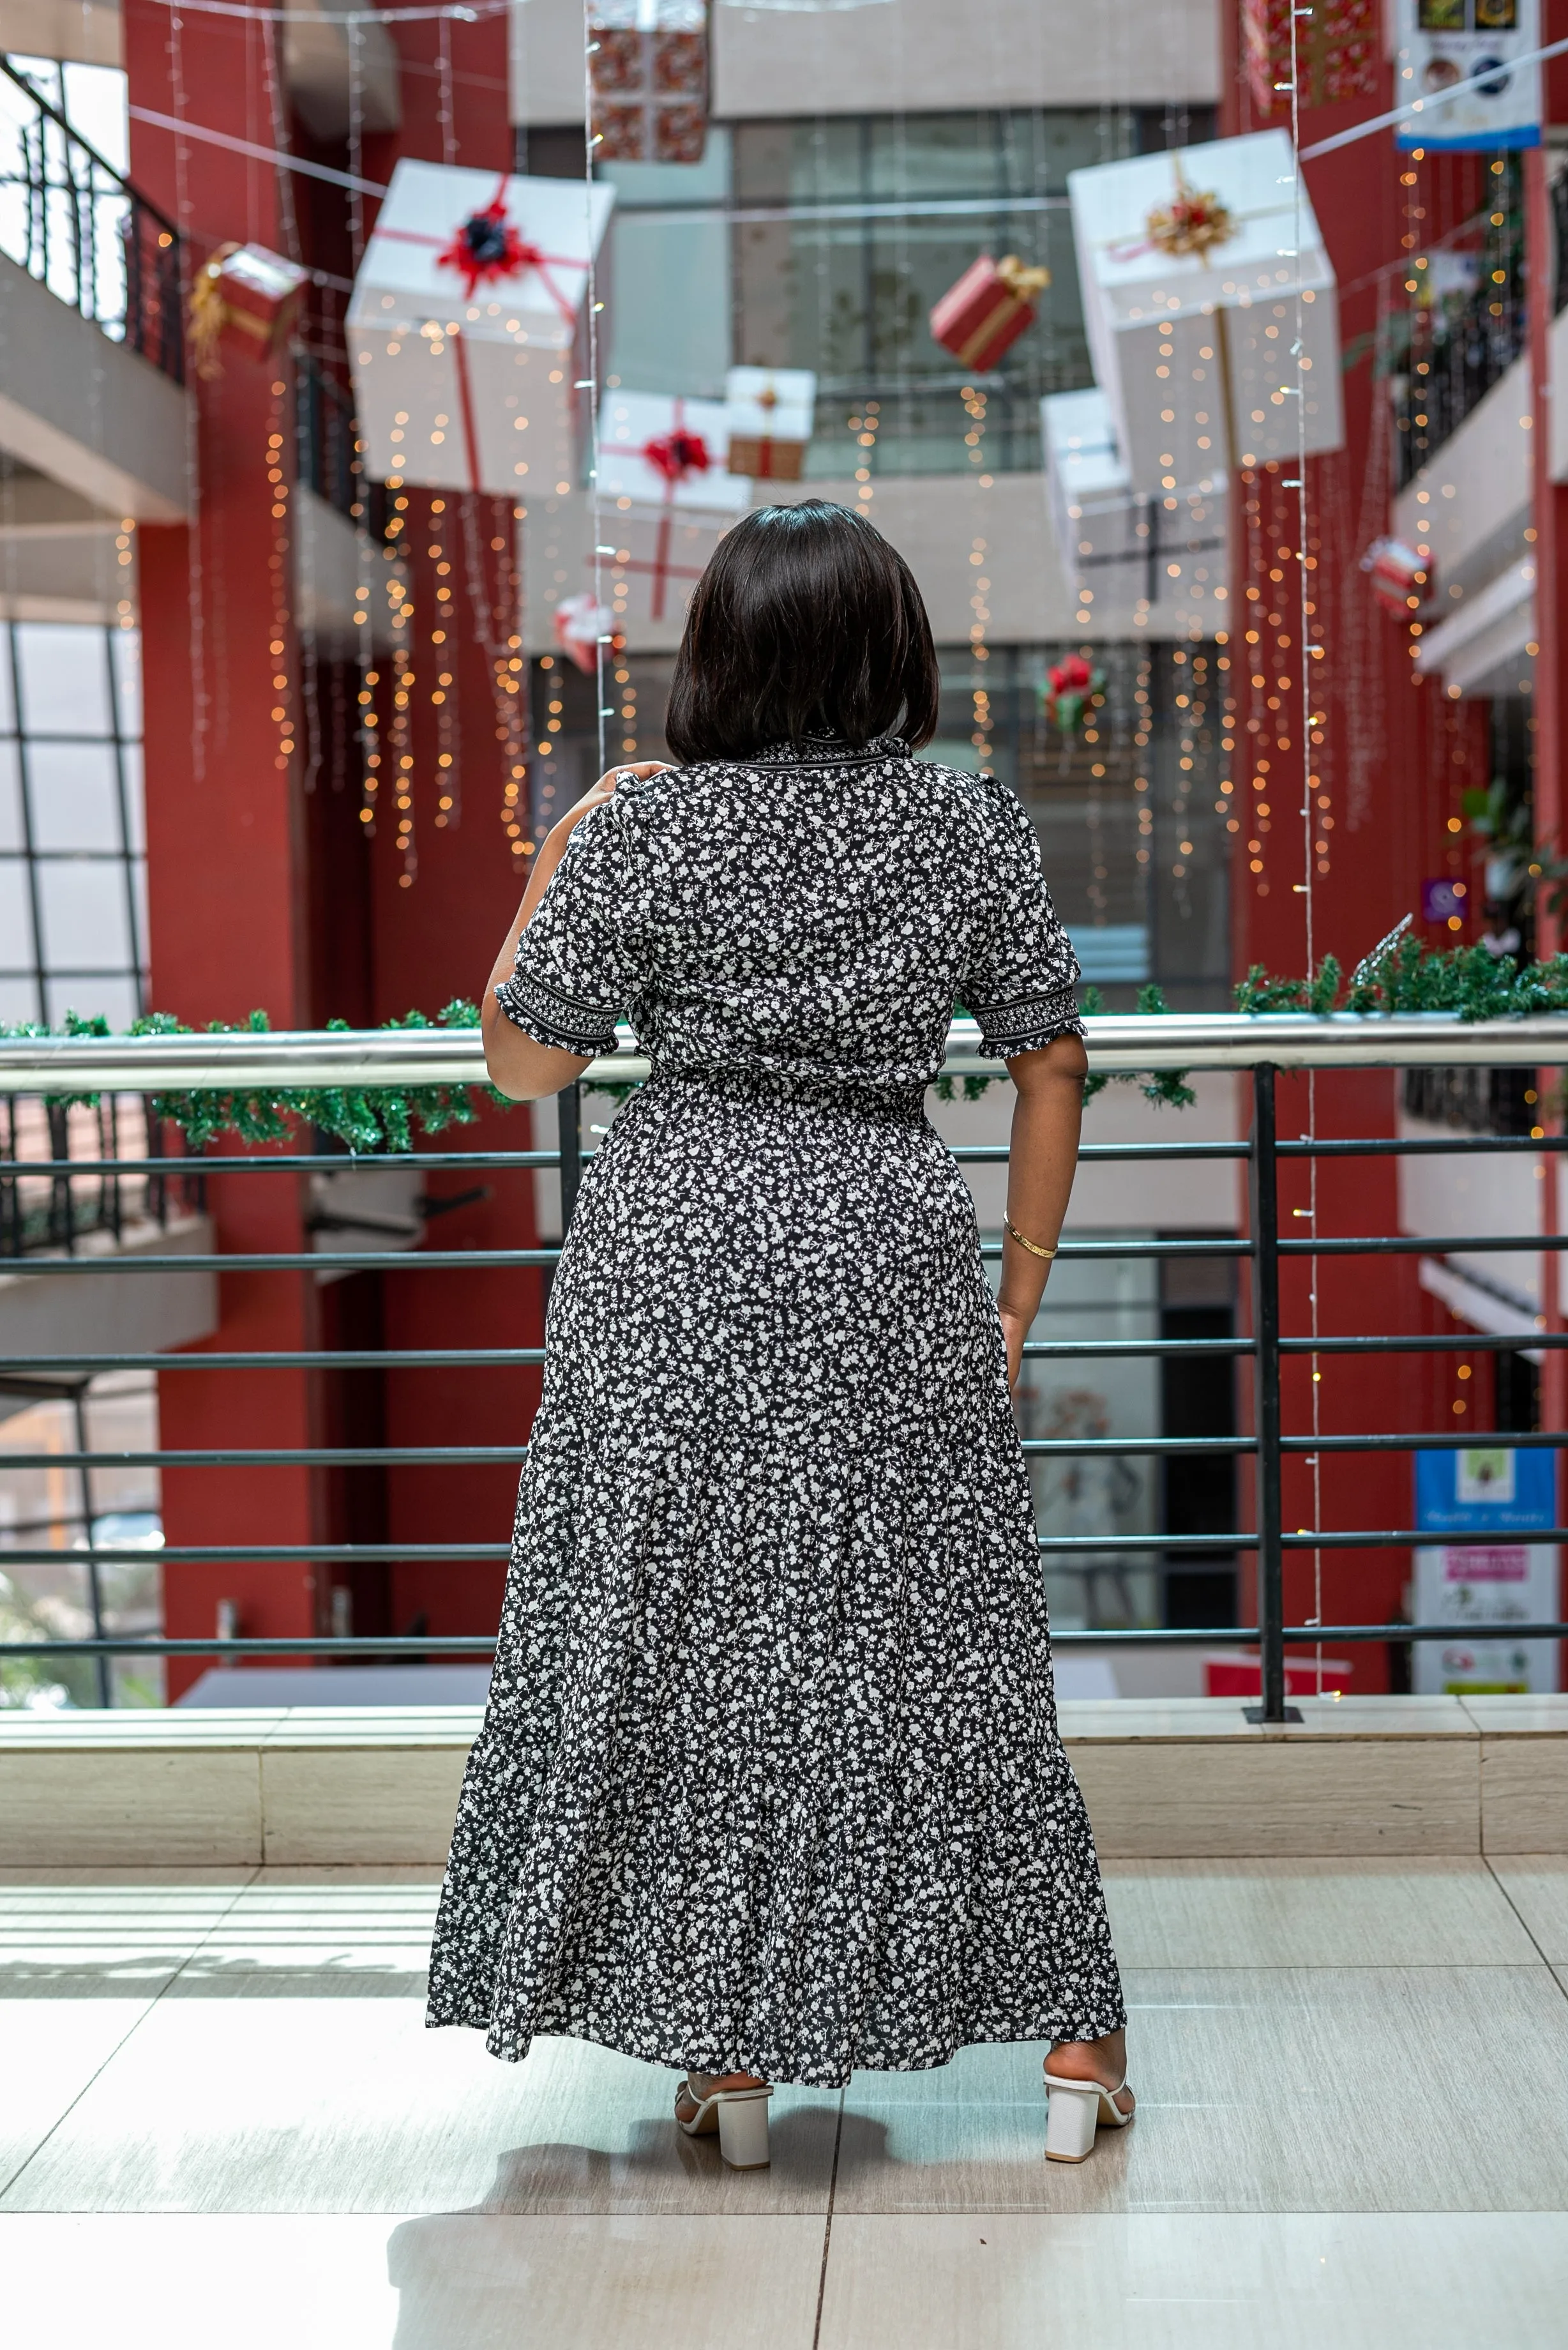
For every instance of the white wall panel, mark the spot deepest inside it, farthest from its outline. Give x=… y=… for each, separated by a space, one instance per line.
x=914 y=55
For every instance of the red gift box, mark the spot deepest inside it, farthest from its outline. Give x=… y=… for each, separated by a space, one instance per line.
x=1339 y=52
x=984 y=314
x=245 y=296
x=647 y=62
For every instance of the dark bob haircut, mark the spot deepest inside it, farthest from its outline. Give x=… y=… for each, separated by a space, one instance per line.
x=805 y=620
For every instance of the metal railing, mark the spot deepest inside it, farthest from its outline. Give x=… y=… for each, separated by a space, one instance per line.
x=73 y=221
x=1261 y=1048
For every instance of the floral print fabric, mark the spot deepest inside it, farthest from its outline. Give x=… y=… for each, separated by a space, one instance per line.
x=770 y=1776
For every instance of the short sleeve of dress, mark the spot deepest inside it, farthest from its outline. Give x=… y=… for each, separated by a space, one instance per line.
x=577 y=966
x=1021 y=988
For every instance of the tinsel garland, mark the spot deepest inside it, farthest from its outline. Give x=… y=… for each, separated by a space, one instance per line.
x=1401 y=975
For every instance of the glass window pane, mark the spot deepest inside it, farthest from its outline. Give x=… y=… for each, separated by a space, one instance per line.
x=113 y=994
x=135 y=798
x=637 y=184
x=85 y=916
x=73 y=790
x=139 y=908
x=125 y=651
x=7 y=697
x=11 y=833
x=672 y=313
x=19 y=1000
x=65 y=678
x=15 y=916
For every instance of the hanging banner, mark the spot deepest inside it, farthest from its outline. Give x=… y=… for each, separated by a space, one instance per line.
x=1444 y=42
x=1483 y=1589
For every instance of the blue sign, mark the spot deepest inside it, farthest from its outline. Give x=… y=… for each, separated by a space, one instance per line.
x=1486 y=1489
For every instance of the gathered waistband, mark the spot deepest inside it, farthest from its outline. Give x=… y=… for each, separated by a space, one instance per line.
x=902 y=1105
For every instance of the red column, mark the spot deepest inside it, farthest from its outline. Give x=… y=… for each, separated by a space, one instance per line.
x=227 y=901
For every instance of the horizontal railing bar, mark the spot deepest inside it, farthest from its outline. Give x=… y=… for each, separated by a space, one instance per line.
x=388 y=1456
x=283 y=1061
x=291 y=1260
x=1059 y=1546
x=412 y=1456
x=1486 y=1342
x=340 y=1358
x=450 y=1644
x=1429 y=1244
x=1424 y=1147
x=338 y=1162
x=973 y=1153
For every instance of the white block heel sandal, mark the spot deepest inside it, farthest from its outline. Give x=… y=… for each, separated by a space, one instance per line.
x=739 y=2116
x=1075 y=2110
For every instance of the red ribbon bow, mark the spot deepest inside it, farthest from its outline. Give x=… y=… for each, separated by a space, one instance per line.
x=678 y=454
x=1073 y=676
x=487 y=248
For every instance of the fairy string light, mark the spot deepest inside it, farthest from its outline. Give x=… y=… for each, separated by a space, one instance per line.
x=626 y=683
x=1142 y=732
x=449 y=765
x=283 y=707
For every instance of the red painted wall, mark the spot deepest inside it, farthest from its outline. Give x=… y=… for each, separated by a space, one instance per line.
x=263 y=895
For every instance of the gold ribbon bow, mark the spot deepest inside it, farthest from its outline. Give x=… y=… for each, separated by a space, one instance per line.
x=1023 y=282
x=210 y=314
x=1194 y=222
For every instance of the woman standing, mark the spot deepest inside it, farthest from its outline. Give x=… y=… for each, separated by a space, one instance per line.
x=770 y=1785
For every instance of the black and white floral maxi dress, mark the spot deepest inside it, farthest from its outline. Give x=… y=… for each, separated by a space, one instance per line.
x=770 y=1776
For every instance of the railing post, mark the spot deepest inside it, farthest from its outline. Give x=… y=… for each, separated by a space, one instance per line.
x=569 y=1111
x=1264 y=1173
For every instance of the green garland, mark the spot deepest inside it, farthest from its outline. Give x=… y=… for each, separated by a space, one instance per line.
x=365 y=1118
x=1401 y=974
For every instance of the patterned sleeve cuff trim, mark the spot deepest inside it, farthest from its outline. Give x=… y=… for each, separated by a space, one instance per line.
x=556 y=1020
x=1028 y=1024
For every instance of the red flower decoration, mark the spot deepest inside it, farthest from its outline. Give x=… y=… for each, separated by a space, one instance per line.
x=487 y=247
x=678 y=454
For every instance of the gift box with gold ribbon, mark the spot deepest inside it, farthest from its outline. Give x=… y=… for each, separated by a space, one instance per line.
x=769 y=414
x=1192 y=262
x=647 y=68
x=991 y=305
x=1338 y=52
x=246 y=298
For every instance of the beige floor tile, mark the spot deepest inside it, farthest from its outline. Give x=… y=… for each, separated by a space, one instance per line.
x=353 y=1920
x=121 y=1921
x=1315 y=1913
x=448 y=2282
x=1321 y=2089
x=268 y=2091
x=57 y=2031
x=1148 y=2282
x=1537 y=1885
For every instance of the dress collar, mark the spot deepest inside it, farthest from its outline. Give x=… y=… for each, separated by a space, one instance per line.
x=828 y=751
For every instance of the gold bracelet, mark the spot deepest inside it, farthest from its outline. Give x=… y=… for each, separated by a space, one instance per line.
x=1032 y=1246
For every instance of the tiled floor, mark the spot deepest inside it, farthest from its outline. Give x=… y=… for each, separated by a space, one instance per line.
x=221 y=2116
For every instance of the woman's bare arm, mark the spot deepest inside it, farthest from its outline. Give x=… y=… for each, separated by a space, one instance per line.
x=1047 y=1114
x=518 y=1064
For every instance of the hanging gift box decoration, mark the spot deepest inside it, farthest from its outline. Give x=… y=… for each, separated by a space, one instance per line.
x=1153 y=564
x=769 y=412
x=647 y=67
x=467 y=329
x=1338 y=52
x=580 y=627
x=1192 y=266
x=1069 y=689
x=666 y=498
x=991 y=305
x=244 y=297
x=1397 y=573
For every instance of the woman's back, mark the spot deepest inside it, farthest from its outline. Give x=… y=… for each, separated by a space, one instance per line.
x=811 y=915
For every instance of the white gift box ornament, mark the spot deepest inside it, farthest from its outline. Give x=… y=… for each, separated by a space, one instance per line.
x=466 y=328
x=769 y=412
x=666 y=497
x=1153 y=562
x=1190 y=264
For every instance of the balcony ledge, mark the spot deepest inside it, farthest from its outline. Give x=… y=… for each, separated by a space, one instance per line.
x=1173 y=1779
